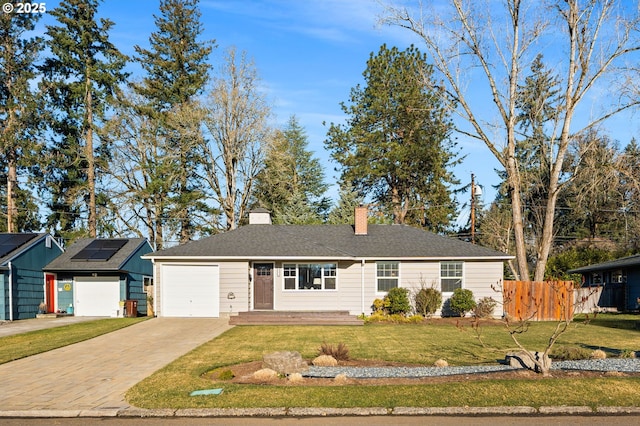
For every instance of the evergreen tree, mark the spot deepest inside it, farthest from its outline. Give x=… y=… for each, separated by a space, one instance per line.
x=396 y=145
x=176 y=73
x=344 y=212
x=18 y=117
x=80 y=80
x=291 y=176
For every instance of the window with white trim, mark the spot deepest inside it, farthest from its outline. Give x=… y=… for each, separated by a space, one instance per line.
x=310 y=276
x=146 y=283
x=387 y=275
x=451 y=274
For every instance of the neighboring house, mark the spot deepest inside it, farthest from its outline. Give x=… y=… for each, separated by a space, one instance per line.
x=314 y=268
x=22 y=282
x=94 y=276
x=616 y=282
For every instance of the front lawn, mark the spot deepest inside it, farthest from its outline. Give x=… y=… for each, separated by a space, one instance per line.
x=34 y=342
x=416 y=344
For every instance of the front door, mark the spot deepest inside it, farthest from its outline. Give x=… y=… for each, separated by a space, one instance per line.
x=262 y=286
x=50 y=288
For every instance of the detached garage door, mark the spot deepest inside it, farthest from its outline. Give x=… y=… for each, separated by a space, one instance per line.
x=190 y=291
x=96 y=296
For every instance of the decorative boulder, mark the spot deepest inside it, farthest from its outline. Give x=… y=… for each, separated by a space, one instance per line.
x=324 y=361
x=525 y=359
x=265 y=375
x=285 y=362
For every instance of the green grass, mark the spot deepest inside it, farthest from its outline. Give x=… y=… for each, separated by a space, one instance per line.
x=35 y=342
x=418 y=344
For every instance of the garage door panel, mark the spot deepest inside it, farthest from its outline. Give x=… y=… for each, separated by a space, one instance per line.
x=96 y=296
x=190 y=291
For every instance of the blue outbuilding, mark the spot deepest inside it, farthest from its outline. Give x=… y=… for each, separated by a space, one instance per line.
x=22 y=280
x=103 y=277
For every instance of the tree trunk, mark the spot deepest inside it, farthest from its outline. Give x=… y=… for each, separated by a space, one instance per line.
x=12 y=177
x=91 y=169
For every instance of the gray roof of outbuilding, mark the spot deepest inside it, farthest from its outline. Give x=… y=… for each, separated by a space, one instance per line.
x=36 y=237
x=328 y=241
x=64 y=262
x=625 y=262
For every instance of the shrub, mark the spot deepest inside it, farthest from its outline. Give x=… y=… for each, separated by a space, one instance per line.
x=226 y=375
x=397 y=301
x=340 y=352
x=598 y=354
x=485 y=308
x=569 y=353
x=428 y=301
x=462 y=301
x=378 y=305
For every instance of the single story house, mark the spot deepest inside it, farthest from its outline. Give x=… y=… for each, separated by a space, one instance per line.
x=262 y=266
x=95 y=276
x=617 y=282
x=22 y=282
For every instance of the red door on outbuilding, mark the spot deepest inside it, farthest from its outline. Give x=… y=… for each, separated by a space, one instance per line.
x=50 y=288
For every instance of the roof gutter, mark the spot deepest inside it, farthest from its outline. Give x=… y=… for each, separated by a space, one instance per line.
x=400 y=258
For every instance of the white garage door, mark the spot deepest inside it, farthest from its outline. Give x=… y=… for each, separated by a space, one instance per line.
x=190 y=291
x=96 y=296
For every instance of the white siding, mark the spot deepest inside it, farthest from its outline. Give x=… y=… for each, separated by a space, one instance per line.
x=479 y=277
x=234 y=278
x=349 y=295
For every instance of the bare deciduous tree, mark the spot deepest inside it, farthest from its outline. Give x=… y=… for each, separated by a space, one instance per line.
x=588 y=44
x=236 y=115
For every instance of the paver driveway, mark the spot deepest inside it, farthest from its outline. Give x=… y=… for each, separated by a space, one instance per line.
x=95 y=374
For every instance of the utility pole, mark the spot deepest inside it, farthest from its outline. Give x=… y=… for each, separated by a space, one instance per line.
x=473 y=210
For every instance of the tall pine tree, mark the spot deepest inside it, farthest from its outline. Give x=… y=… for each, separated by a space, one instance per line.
x=19 y=122
x=80 y=80
x=177 y=72
x=396 y=146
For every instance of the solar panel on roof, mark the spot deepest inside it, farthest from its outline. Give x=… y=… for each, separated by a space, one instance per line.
x=10 y=242
x=100 y=250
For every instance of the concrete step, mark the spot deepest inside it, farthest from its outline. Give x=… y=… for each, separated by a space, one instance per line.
x=295 y=318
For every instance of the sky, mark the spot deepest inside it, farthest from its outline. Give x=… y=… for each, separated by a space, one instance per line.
x=308 y=54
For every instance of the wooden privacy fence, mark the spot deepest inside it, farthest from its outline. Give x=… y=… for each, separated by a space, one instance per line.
x=538 y=301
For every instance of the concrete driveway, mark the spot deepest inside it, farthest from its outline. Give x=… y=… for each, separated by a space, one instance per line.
x=95 y=374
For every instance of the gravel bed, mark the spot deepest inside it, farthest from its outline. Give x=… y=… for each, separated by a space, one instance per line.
x=626 y=365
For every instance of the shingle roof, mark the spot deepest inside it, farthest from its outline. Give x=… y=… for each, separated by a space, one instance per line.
x=621 y=263
x=64 y=262
x=328 y=241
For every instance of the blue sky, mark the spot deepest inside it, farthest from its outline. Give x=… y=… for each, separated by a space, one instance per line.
x=309 y=54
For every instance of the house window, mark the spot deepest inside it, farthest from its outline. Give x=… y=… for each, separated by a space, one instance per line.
x=618 y=277
x=387 y=275
x=596 y=278
x=310 y=276
x=146 y=283
x=450 y=276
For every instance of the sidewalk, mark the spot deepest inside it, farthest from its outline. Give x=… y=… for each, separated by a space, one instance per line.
x=94 y=375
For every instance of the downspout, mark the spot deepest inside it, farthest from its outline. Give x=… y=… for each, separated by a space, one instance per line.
x=10 y=291
x=155 y=288
x=362 y=282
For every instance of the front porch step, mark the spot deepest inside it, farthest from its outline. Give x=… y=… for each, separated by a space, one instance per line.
x=295 y=318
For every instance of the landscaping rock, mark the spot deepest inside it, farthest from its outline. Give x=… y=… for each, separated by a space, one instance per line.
x=265 y=375
x=524 y=359
x=285 y=362
x=324 y=361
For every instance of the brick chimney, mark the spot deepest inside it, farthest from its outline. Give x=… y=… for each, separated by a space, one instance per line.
x=361 y=220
